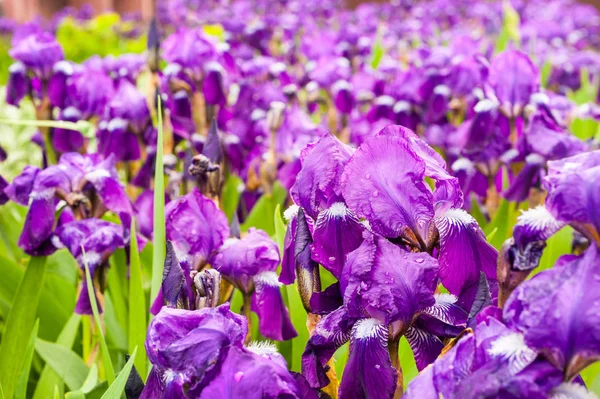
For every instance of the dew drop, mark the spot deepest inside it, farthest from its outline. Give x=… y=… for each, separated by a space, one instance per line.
x=368 y=176
x=419 y=260
x=332 y=258
x=377 y=366
x=238 y=376
x=375 y=193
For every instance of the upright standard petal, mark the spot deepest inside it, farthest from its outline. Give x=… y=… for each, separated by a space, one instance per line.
x=464 y=251
x=240 y=261
x=318 y=183
x=387 y=282
x=397 y=203
x=195 y=225
x=556 y=312
x=514 y=79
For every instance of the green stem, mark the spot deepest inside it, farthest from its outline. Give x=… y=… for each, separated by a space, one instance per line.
x=247 y=312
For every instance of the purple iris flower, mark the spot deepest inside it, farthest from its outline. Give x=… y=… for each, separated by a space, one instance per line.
x=91 y=242
x=250 y=264
x=88 y=185
x=200 y=354
x=495 y=361
x=553 y=312
x=126 y=125
x=196 y=226
x=190 y=49
x=513 y=79
x=38 y=53
x=402 y=207
x=381 y=297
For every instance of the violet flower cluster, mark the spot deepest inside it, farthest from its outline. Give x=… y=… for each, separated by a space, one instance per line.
x=384 y=126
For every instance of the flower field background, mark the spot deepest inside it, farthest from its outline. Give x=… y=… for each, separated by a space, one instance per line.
x=270 y=199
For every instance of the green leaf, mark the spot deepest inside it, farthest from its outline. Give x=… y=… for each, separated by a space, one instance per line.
x=49 y=379
x=75 y=395
x=21 y=390
x=137 y=306
x=232 y=191
x=108 y=366
x=115 y=389
x=65 y=363
x=407 y=361
x=116 y=338
x=475 y=211
x=98 y=391
x=262 y=214
x=19 y=324
x=510 y=28
x=91 y=380
x=158 y=258
x=117 y=278
x=500 y=228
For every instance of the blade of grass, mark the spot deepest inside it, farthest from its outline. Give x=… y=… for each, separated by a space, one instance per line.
x=20 y=323
x=158 y=258
x=49 y=379
x=108 y=367
x=21 y=391
x=137 y=306
x=115 y=389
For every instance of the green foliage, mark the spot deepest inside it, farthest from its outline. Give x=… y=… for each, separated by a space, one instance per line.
x=21 y=391
x=137 y=307
x=510 y=28
x=106 y=361
x=49 y=379
x=160 y=234
x=98 y=36
x=115 y=389
x=19 y=324
x=231 y=195
x=67 y=364
x=262 y=214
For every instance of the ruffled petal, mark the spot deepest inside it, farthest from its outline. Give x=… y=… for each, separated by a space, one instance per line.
x=318 y=183
x=388 y=282
x=464 y=251
x=395 y=202
x=240 y=261
x=195 y=225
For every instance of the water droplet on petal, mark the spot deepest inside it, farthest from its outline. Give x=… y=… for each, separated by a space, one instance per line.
x=368 y=176
x=419 y=260
x=375 y=193
x=332 y=258
x=238 y=376
x=377 y=366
